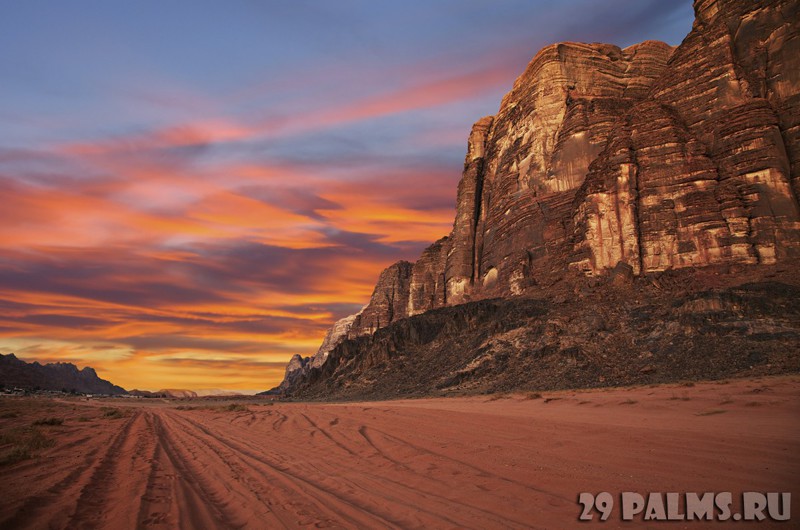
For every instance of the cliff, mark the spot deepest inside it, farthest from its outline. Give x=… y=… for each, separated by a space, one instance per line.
x=639 y=161
x=16 y=373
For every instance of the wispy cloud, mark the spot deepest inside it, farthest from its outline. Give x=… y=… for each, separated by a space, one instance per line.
x=190 y=212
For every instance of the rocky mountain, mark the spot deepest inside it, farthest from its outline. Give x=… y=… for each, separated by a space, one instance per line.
x=16 y=373
x=606 y=169
x=167 y=393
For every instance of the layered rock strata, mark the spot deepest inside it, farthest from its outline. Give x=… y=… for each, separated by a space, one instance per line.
x=648 y=158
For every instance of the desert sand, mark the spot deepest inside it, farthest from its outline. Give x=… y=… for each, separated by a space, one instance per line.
x=516 y=461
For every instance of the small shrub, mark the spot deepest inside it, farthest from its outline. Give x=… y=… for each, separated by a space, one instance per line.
x=24 y=443
x=36 y=440
x=533 y=395
x=14 y=455
x=629 y=402
x=112 y=413
x=711 y=412
x=684 y=398
x=236 y=407
x=8 y=415
x=49 y=421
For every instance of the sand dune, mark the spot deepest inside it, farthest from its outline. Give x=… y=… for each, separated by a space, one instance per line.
x=509 y=462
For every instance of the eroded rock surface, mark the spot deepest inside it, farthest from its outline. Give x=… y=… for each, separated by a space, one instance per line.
x=638 y=160
x=687 y=324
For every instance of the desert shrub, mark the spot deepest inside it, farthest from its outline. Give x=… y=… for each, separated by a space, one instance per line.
x=14 y=455
x=235 y=407
x=23 y=444
x=112 y=413
x=49 y=421
x=711 y=412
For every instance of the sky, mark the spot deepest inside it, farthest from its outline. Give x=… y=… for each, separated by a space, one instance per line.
x=194 y=191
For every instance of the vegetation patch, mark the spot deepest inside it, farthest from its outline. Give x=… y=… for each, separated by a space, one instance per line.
x=711 y=412
x=235 y=407
x=22 y=444
x=49 y=421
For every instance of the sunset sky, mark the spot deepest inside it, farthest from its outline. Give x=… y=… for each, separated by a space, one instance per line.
x=194 y=191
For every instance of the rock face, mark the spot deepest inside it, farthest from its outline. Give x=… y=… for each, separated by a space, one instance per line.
x=388 y=303
x=336 y=334
x=686 y=324
x=701 y=171
x=637 y=160
x=16 y=373
x=295 y=371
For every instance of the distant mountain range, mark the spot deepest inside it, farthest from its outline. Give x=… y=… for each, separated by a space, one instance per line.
x=179 y=393
x=164 y=393
x=16 y=373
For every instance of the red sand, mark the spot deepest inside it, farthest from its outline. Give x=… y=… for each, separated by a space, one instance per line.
x=513 y=462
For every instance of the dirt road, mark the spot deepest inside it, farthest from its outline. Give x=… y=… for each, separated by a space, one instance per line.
x=514 y=462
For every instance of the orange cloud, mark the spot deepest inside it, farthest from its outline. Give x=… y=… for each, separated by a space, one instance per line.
x=160 y=271
x=184 y=135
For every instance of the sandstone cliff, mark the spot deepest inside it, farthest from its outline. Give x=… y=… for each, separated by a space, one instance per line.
x=644 y=159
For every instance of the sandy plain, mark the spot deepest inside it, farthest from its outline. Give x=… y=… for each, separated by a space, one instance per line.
x=510 y=461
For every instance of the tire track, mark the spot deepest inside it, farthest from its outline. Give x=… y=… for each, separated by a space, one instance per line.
x=293 y=486
x=372 y=485
x=327 y=435
x=35 y=511
x=99 y=500
x=174 y=497
x=479 y=471
x=221 y=481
